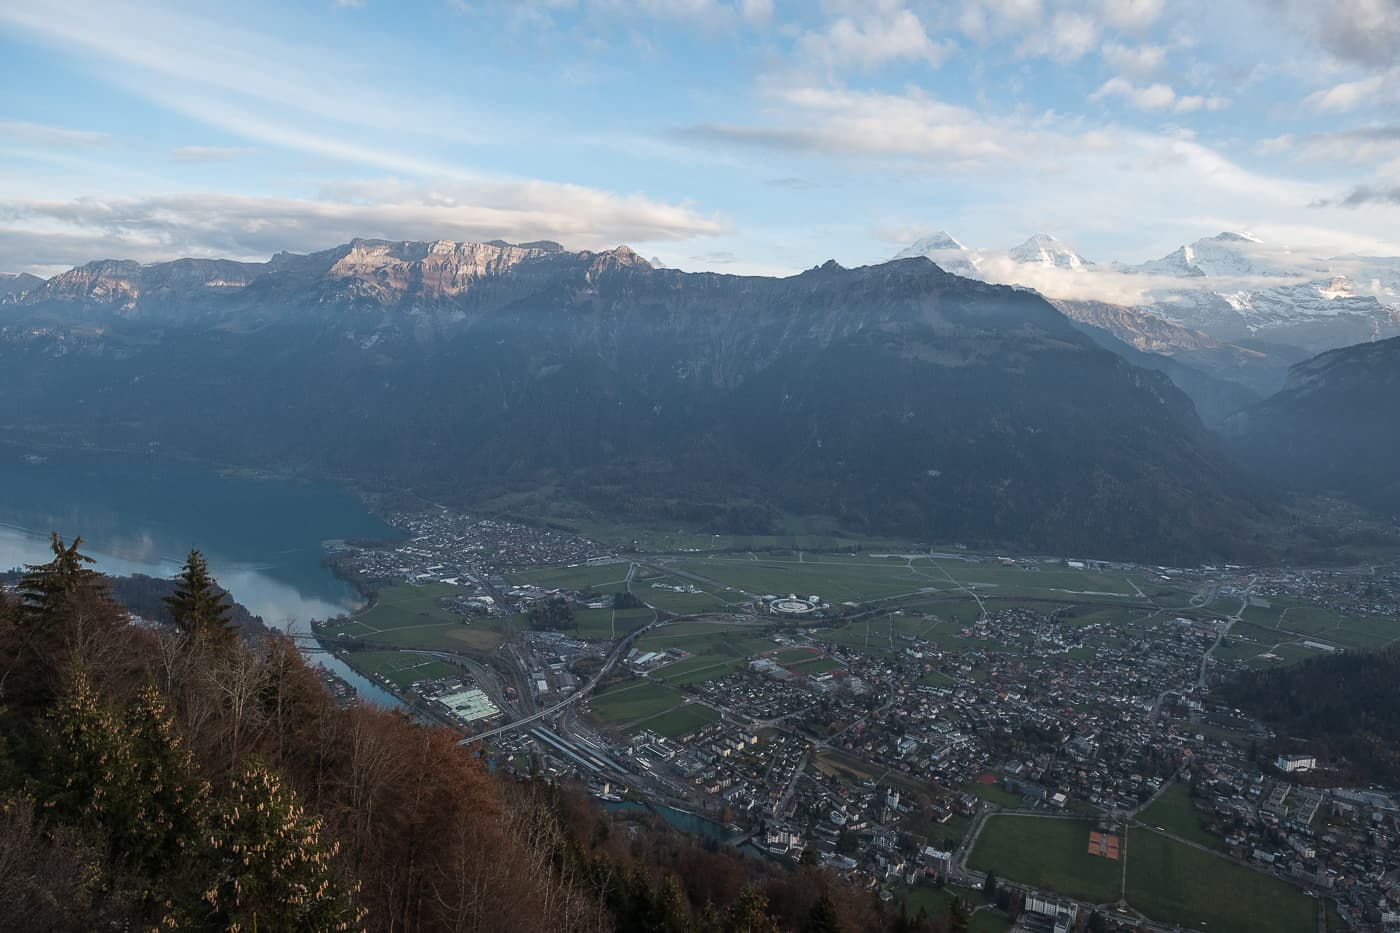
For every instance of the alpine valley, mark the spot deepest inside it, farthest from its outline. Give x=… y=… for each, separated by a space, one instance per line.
x=896 y=399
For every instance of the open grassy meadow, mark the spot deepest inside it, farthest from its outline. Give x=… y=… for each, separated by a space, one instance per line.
x=409 y=616
x=601 y=578
x=1052 y=854
x=1175 y=883
x=632 y=701
x=1173 y=812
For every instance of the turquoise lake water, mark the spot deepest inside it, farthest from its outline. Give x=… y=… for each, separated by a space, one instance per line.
x=142 y=514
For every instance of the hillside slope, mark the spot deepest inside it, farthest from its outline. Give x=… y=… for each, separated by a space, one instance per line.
x=1334 y=426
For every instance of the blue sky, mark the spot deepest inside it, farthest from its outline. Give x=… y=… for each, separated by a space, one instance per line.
x=735 y=135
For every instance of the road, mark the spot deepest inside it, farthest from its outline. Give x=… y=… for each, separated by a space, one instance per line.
x=1225 y=630
x=618 y=653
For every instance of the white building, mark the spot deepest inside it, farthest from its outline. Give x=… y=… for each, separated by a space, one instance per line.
x=1293 y=763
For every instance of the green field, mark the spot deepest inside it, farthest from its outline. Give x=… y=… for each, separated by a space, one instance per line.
x=605 y=624
x=1052 y=854
x=1175 y=883
x=994 y=793
x=855 y=580
x=680 y=721
x=815 y=666
x=1173 y=812
x=1290 y=619
x=634 y=701
x=601 y=578
x=401 y=668
x=411 y=616
x=697 y=669
x=723 y=640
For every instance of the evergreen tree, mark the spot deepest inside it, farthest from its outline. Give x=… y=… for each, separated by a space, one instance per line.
x=958 y=916
x=822 y=918
x=198 y=606
x=989 y=887
x=171 y=799
x=46 y=590
x=670 y=909
x=268 y=868
x=89 y=765
x=749 y=914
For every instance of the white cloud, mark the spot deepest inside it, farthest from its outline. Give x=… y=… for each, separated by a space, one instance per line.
x=835 y=121
x=883 y=32
x=208 y=153
x=41 y=234
x=1349 y=95
x=41 y=134
x=1067 y=37
x=1136 y=61
x=1155 y=97
x=1135 y=15
x=982 y=20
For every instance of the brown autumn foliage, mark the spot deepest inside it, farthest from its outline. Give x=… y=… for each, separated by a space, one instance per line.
x=424 y=836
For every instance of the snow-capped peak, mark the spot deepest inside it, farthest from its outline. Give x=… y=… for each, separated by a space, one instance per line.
x=933 y=243
x=1044 y=250
x=1225 y=254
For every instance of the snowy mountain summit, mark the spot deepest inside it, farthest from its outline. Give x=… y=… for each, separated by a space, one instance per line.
x=1044 y=250
x=945 y=250
x=933 y=243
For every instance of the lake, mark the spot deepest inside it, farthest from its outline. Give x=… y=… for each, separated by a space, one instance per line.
x=142 y=514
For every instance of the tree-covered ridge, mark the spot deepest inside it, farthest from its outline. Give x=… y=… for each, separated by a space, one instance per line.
x=1346 y=707
x=164 y=779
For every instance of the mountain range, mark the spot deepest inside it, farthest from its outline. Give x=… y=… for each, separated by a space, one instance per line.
x=891 y=399
x=1227 y=308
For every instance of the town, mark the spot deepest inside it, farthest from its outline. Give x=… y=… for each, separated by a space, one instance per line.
x=1039 y=735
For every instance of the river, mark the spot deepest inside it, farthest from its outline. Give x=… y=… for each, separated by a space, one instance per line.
x=141 y=514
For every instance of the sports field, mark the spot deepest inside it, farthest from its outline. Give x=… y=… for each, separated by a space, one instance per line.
x=402 y=669
x=1047 y=853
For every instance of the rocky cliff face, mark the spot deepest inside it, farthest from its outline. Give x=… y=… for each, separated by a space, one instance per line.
x=894 y=398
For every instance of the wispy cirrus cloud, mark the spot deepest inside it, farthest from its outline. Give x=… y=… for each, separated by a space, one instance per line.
x=43 y=134
x=209 y=153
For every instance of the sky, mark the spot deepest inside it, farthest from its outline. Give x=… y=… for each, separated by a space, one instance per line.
x=747 y=136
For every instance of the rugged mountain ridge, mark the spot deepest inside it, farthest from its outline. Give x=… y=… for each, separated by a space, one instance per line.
x=895 y=398
x=11 y=283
